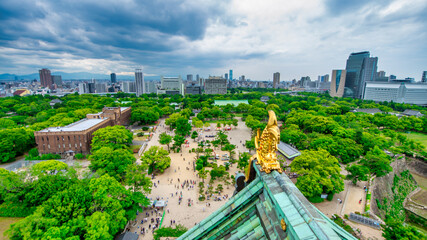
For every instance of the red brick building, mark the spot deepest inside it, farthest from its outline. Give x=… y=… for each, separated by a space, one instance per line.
x=77 y=137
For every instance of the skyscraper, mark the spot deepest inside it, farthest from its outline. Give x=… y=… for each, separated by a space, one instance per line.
x=139 y=82
x=368 y=74
x=57 y=80
x=276 y=79
x=45 y=78
x=226 y=76
x=190 y=77
x=353 y=74
x=338 y=81
x=231 y=74
x=424 y=77
x=113 y=78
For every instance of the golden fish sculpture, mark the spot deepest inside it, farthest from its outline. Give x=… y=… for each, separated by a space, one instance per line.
x=266 y=146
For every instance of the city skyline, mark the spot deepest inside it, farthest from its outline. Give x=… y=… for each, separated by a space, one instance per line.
x=299 y=39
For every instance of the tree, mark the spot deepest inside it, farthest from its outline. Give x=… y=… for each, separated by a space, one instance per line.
x=87 y=209
x=165 y=139
x=203 y=174
x=115 y=137
x=377 y=161
x=243 y=160
x=357 y=173
x=171 y=121
x=223 y=138
x=113 y=162
x=178 y=140
x=230 y=149
x=319 y=172
x=156 y=158
x=136 y=178
x=183 y=127
x=194 y=135
x=144 y=116
x=395 y=230
x=48 y=167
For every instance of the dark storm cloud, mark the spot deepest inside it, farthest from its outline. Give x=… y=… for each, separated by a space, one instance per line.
x=100 y=28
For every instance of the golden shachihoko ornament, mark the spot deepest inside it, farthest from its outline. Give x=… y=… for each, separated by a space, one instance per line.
x=266 y=146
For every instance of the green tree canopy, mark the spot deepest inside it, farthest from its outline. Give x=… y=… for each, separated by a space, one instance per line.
x=144 y=116
x=156 y=159
x=357 y=173
x=165 y=139
x=395 y=230
x=48 y=167
x=115 y=137
x=113 y=162
x=183 y=127
x=377 y=161
x=319 y=172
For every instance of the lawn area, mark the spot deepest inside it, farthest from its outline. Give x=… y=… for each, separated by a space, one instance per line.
x=5 y=222
x=420 y=137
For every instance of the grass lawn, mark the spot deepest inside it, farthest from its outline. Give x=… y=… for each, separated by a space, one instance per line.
x=5 y=222
x=143 y=138
x=420 y=137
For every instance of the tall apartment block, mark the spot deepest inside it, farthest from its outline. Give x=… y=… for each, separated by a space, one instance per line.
x=216 y=85
x=45 y=78
x=139 y=82
x=276 y=79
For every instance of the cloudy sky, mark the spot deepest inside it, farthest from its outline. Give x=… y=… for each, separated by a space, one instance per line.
x=176 y=37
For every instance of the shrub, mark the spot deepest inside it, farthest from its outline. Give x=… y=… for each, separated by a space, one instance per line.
x=316 y=199
x=140 y=134
x=15 y=209
x=145 y=128
x=79 y=156
x=169 y=232
x=330 y=196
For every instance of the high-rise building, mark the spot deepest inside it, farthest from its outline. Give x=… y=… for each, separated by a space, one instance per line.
x=380 y=74
x=216 y=85
x=101 y=87
x=226 y=76
x=139 y=82
x=113 y=78
x=45 y=78
x=190 y=77
x=242 y=78
x=337 y=86
x=91 y=87
x=424 y=77
x=57 y=80
x=83 y=88
x=172 y=83
x=368 y=74
x=150 y=87
x=276 y=79
x=128 y=87
x=353 y=73
x=230 y=75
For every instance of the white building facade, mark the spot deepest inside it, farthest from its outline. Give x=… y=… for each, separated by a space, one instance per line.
x=412 y=93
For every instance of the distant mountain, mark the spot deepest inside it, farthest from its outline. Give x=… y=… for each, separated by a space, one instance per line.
x=73 y=76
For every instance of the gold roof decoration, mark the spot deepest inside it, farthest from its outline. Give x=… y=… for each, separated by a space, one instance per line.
x=266 y=146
